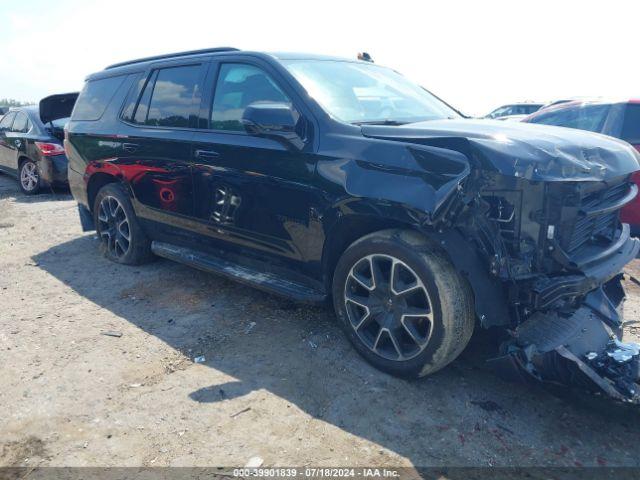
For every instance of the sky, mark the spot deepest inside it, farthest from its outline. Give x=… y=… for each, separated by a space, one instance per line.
x=476 y=55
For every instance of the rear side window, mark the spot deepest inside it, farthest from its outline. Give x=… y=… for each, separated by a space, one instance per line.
x=141 y=112
x=170 y=97
x=21 y=123
x=95 y=97
x=631 y=125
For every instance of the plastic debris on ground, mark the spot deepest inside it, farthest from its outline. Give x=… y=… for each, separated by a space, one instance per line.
x=254 y=462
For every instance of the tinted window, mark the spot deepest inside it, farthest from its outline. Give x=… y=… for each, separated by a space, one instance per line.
x=21 y=123
x=172 y=97
x=132 y=98
x=95 y=97
x=143 y=105
x=631 y=125
x=7 y=120
x=559 y=117
x=590 y=117
x=525 y=109
x=237 y=87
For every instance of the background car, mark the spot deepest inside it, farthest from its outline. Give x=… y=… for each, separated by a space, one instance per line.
x=31 y=143
x=620 y=119
x=514 y=109
x=512 y=118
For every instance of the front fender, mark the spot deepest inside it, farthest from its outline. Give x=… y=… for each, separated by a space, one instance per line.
x=393 y=175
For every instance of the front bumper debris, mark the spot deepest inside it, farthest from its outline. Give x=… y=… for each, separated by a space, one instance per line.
x=580 y=348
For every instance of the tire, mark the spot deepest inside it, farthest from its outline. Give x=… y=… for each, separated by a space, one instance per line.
x=121 y=237
x=420 y=324
x=29 y=177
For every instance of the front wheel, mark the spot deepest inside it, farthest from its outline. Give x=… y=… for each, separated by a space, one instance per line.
x=122 y=240
x=402 y=303
x=29 y=178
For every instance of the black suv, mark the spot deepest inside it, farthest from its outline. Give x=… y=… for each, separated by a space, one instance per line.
x=319 y=179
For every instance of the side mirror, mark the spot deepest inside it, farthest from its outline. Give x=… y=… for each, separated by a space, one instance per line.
x=278 y=121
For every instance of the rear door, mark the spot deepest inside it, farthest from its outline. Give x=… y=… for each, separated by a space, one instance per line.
x=5 y=128
x=157 y=128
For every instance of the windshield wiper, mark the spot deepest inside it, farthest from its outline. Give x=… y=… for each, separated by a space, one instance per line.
x=381 y=122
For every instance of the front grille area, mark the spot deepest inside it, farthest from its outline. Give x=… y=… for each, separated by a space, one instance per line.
x=590 y=226
x=602 y=226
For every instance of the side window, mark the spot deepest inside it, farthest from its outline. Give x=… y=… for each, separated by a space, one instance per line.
x=140 y=116
x=95 y=97
x=559 y=117
x=21 y=123
x=132 y=98
x=237 y=87
x=168 y=97
x=631 y=125
x=591 y=118
x=7 y=120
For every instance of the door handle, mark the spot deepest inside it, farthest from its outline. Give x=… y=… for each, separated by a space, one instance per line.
x=206 y=154
x=130 y=147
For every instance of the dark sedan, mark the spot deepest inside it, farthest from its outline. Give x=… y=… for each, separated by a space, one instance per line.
x=31 y=143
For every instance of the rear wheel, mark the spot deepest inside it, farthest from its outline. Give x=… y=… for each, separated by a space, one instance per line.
x=29 y=177
x=122 y=240
x=402 y=303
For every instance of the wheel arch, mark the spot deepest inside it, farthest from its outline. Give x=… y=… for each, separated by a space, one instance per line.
x=348 y=229
x=490 y=300
x=23 y=158
x=96 y=182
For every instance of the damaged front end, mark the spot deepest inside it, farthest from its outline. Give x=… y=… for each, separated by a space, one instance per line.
x=533 y=223
x=557 y=250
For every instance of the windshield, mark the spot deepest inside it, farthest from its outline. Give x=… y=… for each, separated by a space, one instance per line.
x=366 y=93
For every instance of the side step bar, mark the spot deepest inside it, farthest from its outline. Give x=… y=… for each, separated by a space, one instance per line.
x=262 y=280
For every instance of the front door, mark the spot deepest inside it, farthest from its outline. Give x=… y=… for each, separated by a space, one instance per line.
x=255 y=194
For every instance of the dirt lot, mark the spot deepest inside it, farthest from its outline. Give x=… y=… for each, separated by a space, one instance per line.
x=279 y=381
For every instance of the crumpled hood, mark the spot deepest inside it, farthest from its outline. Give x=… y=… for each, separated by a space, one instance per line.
x=533 y=152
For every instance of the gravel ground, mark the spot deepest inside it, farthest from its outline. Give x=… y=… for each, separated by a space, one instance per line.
x=279 y=381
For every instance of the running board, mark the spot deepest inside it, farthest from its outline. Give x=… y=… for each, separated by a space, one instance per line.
x=259 y=279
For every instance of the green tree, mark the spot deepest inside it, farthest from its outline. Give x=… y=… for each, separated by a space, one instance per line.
x=12 y=102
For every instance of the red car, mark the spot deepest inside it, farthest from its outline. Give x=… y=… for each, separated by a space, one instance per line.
x=617 y=119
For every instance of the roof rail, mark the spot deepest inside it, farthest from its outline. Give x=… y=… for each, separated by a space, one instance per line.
x=171 y=55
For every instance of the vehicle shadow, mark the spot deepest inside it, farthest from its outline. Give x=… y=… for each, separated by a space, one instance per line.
x=463 y=415
x=9 y=188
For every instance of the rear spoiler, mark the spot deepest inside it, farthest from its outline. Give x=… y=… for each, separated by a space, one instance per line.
x=57 y=106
